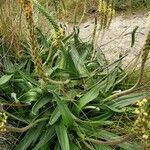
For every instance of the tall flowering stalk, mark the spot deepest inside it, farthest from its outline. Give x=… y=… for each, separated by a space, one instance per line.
x=28 y=11
x=27 y=8
x=3 y=121
x=142 y=123
x=106 y=9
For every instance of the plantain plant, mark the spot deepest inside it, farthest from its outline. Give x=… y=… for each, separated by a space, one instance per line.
x=61 y=99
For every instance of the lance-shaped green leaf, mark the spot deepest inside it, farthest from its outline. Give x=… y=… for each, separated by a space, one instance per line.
x=79 y=64
x=55 y=116
x=46 y=136
x=5 y=78
x=41 y=102
x=89 y=96
x=64 y=110
x=102 y=147
x=62 y=136
x=31 y=137
x=126 y=100
x=32 y=95
x=74 y=146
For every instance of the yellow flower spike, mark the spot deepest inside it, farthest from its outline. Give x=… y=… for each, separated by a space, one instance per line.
x=5 y=117
x=139 y=103
x=143 y=130
x=144 y=100
x=2 y=130
x=4 y=120
x=142 y=123
x=145 y=137
x=137 y=111
x=111 y=12
x=2 y=125
x=60 y=33
x=107 y=12
x=136 y=122
x=4 y=114
x=145 y=114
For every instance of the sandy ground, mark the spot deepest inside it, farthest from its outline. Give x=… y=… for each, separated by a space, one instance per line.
x=117 y=39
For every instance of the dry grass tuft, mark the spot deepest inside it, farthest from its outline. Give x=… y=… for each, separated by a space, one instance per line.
x=10 y=27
